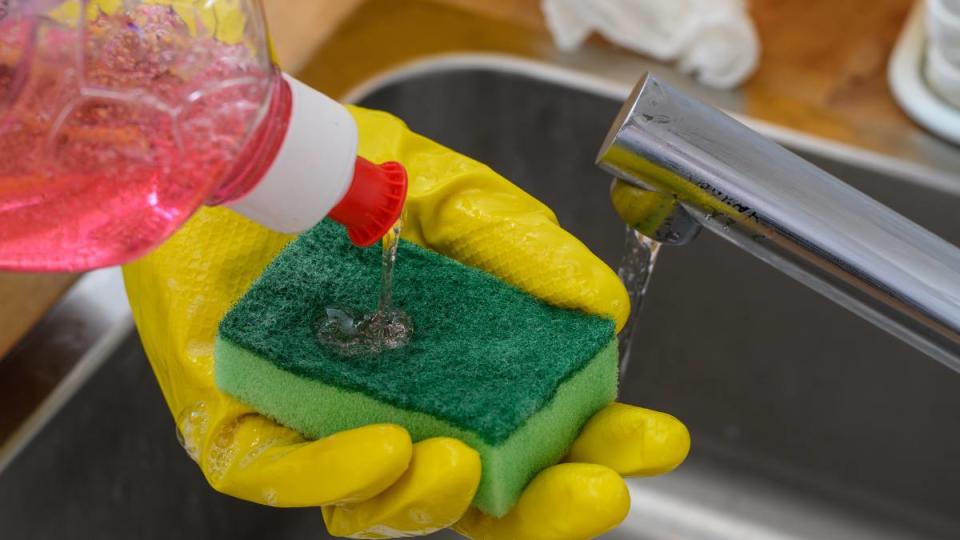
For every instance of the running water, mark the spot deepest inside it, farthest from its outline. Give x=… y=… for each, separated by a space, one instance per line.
x=352 y=334
x=639 y=258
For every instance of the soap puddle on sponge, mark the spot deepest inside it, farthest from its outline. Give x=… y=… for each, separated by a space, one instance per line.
x=352 y=333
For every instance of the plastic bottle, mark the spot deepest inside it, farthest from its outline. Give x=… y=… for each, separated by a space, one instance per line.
x=119 y=118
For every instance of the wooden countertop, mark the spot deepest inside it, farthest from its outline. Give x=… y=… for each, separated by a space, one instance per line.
x=826 y=60
x=822 y=71
x=24 y=298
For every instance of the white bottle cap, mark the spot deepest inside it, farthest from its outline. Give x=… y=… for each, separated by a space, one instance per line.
x=313 y=168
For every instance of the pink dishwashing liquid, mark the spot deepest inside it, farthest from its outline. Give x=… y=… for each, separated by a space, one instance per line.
x=116 y=126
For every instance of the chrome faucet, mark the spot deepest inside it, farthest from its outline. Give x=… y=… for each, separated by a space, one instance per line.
x=681 y=165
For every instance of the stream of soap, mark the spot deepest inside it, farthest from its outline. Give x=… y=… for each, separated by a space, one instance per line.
x=636 y=267
x=391 y=243
x=351 y=333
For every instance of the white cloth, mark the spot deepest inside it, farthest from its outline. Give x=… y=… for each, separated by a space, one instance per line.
x=715 y=40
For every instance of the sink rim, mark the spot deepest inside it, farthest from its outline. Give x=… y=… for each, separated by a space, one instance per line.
x=61 y=352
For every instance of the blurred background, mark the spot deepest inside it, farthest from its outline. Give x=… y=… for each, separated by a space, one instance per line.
x=807 y=421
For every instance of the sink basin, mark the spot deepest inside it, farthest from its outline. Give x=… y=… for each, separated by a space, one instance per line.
x=815 y=404
x=807 y=422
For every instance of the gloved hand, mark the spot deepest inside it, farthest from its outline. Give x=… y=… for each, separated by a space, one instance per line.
x=373 y=482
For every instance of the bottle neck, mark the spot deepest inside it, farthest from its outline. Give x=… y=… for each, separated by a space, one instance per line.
x=291 y=188
x=261 y=148
x=302 y=165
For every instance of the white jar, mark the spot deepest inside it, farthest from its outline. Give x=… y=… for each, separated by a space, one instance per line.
x=942 y=66
x=943 y=26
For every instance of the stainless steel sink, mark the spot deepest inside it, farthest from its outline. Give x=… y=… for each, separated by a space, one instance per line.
x=811 y=424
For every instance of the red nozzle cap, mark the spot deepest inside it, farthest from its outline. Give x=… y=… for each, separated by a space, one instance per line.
x=373 y=202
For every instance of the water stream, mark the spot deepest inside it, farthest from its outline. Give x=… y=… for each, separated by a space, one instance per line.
x=636 y=267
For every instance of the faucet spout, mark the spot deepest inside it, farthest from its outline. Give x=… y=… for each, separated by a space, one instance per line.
x=710 y=170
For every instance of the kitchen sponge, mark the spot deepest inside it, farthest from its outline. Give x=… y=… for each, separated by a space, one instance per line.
x=488 y=364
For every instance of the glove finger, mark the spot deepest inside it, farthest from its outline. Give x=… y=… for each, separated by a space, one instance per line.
x=179 y=293
x=432 y=494
x=564 y=502
x=632 y=441
x=255 y=459
x=528 y=250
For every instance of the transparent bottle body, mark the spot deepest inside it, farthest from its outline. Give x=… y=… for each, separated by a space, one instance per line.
x=119 y=118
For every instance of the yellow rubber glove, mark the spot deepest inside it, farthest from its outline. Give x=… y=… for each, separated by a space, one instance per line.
x=372 y=481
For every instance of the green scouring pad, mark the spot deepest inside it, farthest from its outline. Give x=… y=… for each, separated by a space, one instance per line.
x=488 y=364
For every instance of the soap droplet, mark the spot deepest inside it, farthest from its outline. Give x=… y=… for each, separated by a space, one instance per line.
x=270 y=497
x=341 y=322
x=191 y=425
x=181 y=440
x=221 y=451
